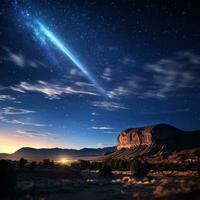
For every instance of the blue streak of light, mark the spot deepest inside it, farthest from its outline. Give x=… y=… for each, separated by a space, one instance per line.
x=67 y=52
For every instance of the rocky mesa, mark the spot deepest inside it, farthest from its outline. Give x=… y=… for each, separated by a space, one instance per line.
x=154 y=141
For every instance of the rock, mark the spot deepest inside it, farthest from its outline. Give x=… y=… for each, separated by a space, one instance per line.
x=153 y=181
x=126 y=179
x=148 y=136
x=155 y=142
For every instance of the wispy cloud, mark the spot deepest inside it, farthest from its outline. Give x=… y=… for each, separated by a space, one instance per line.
x=102 y=145
x=127 y=60
x=15 y=111
x=83 y=84
x=94 y=113
x=130 y=85
x=75 y=72
x=31 y=133
x=118 y=92
x=20 y=60
x=108 y=105
x=6 y=112
x=109 y=132
x=192 y=57
x=4 y=97
x=107 y=74
x=19 y=122
x=17 y=59
x=173 y=75
x=166 y=77
x=101 y=128
x=51 y=90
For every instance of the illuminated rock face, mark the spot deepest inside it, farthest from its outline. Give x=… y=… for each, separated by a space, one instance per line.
x=134 y=137
x=163 y=134
x=153 y=142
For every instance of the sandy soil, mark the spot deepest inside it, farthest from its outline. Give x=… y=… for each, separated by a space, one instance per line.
x=121 y=186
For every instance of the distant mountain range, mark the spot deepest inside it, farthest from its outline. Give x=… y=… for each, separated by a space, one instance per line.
x=150 y=142
x=56 y=153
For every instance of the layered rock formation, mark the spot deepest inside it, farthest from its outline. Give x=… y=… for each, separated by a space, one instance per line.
x=153 y=142
x=148 y=136
x=134 y=137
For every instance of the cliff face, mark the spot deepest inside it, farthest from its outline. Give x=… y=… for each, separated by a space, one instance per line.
x=134 y=137
x=154 y=142
x=148 y=136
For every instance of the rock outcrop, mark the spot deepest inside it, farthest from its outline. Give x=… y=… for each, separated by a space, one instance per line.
x=153 y=142
x=148 y=136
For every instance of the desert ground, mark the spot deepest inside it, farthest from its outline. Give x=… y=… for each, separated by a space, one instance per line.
x=65 y=182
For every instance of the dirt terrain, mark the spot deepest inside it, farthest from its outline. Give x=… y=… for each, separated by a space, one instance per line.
x=157 y=185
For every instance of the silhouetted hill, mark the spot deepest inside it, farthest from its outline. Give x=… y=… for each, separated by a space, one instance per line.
x=56 y=153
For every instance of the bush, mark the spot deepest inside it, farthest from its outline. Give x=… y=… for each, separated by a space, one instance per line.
x=198 y=167
x=105 y=171
x=75 y=165
x=22 y=162
x=84 y=164
x=48 y=163
x=118 y=164
x=32 y=166
x=7 y=178
x=95 y=165
x=139 y=168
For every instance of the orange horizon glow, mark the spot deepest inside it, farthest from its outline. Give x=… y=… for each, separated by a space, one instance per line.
x=10 y=143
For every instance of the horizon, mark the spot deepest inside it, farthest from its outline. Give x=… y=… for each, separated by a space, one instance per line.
x=54 y=148
x=74 y=75
x=75 y=148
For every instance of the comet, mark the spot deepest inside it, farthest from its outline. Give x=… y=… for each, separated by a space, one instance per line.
x=44 y=34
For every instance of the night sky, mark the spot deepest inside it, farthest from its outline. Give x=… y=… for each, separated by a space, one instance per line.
x=73 y=74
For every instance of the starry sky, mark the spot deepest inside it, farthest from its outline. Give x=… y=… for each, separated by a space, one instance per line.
x=73 y=74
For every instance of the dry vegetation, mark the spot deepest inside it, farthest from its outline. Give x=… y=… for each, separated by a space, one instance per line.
x=86 y=180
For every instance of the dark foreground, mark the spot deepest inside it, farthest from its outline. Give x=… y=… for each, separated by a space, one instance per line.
x=40 y=185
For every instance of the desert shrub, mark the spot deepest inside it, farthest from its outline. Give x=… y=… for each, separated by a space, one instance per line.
x=112 y=164
x=22 y=162
x=139 y=168
x=105 y=171
x=75 y=165
x=168 y=168
x=48 y=163
x=72 y=172
x=119 y=164
x=198 y=166
x=95 y=165
x=124 y=165
x=32 y=166
x=84 y=164
x=7 y=178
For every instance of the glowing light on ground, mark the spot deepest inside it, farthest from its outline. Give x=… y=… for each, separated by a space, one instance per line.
x=64 y=161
